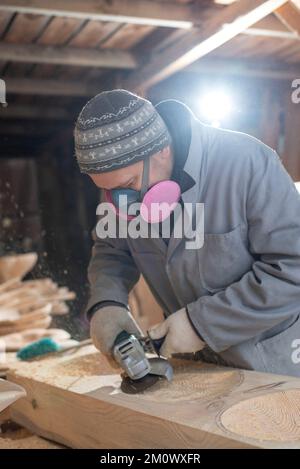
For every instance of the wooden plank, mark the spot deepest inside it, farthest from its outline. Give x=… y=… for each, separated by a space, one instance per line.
x=16 y=70
x=127 y=36
x=292 y=55
x=93 y=34
x=4 y=21
x=272 y=27
x=274 y=49
x=5 y=415
x=271 y=33
x=51 y=87
x=143 y=12
x=159 y=40
x=47 y=71
x=271 y=22
x=290 y=17
x=35 y=53
x=76 y=400
x=245 y=68
x=35 y=112
x=260 y=48
x=59 y=31
x=47 y=87
x=25 y=28
x=220 y=29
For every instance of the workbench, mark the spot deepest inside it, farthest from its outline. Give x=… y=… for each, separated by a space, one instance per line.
x=76 y=400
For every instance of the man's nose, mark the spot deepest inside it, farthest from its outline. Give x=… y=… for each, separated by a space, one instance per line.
x=136 y=186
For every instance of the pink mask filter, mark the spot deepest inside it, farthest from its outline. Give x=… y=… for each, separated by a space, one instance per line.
x=160 y=201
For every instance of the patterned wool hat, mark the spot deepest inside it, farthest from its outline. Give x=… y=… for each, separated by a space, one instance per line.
x=115 y=129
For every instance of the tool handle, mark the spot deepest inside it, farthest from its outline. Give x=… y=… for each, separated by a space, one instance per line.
x=157 y=343
x=121 y=336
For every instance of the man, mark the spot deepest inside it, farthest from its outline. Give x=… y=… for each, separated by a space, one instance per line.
x=235 y=300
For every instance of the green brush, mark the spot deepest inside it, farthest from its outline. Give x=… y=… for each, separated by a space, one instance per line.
x=47 y=346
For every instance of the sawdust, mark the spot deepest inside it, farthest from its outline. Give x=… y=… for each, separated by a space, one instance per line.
x=22 y=439
x=7 y=361
x=274 y=417
x=64 y=370
x=194 y=380
x=13 y=436
x=88 y=365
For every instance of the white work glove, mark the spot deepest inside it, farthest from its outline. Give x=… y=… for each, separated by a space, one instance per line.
x=180 y=335
x=107 y=323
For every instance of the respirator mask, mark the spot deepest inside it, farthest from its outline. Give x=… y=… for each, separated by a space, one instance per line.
x=156 y=203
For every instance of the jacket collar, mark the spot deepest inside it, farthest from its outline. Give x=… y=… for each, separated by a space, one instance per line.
x=196 y=167
x=196 y=163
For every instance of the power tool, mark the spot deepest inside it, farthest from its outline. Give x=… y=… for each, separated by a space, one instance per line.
x=140 y=371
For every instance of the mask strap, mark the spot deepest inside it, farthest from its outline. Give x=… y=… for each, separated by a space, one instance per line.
x=145 y=177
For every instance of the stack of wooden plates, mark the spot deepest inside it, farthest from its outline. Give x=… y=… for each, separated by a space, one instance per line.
x=27 y=307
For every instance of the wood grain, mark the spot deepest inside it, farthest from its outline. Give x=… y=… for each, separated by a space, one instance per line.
x=76 y=400
x=273 y=417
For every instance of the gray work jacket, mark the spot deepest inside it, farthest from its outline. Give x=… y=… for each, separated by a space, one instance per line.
x=242 y=288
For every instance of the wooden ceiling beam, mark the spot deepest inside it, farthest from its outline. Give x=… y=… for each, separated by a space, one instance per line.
x=271 y=26
x=296 y=3
x=245 y=68
x=35 y=53
x=272 y=33
x=290 y=17
x=143 y=12
x=36 y=112
x=271 y=22
x=51 y=87
x=230 y=22
x=36 y=87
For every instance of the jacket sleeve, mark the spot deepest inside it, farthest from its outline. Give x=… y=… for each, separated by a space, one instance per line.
x=269 y=293
x=112 y=272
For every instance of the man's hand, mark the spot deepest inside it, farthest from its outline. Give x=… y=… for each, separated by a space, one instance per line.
x=180 y=335
x=107 y=323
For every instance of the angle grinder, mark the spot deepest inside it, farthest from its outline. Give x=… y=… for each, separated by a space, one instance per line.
x=139 y=370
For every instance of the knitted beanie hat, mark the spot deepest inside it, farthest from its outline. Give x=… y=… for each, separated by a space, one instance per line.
x=115 y=129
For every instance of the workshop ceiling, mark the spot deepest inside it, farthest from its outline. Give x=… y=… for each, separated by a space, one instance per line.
x=77 y=48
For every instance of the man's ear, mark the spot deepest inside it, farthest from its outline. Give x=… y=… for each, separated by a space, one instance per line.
x=162 y=161
x=167 y=151
x=164 y=154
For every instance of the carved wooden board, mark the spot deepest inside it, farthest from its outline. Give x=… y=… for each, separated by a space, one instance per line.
x=76 y=400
